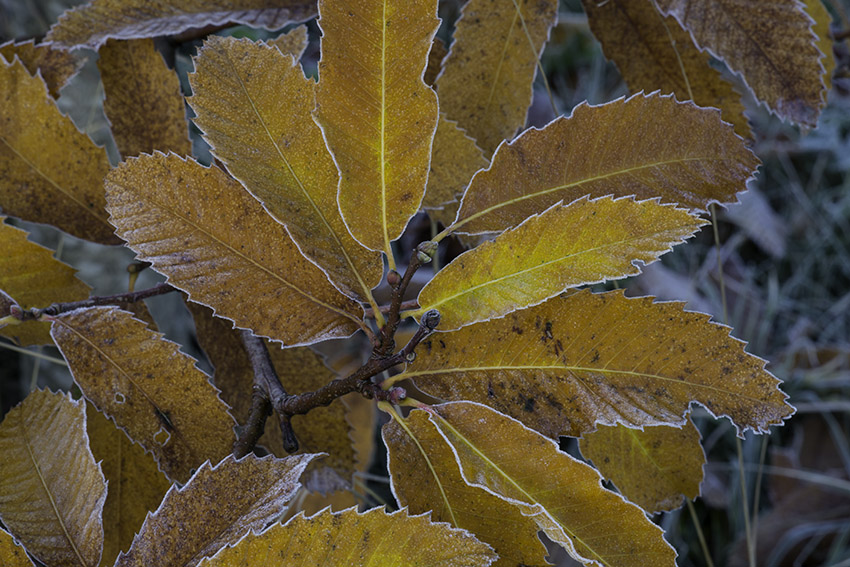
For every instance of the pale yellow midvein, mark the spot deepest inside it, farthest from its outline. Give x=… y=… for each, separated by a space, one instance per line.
x=46 y=489
x=636 y=440
x=367 y=292
x=387 y=246
x=530 y=498
x=501 y=59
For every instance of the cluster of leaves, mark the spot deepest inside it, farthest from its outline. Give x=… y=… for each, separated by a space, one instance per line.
x=286 y=236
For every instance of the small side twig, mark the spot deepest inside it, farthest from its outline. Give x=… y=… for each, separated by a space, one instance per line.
x=405 y=306
x=250 y=433
x=117 y=299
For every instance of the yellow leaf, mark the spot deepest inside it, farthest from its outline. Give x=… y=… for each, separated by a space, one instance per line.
x=565 y=246
x=564 y=496
x=820 y=15
x=656 y=468
x=425 y=477
x=360 y=414
x=653 y=52
x=92 y=24
x=255 y=109
x=377 y=114
x=771 y=44
x=143 y=99
x=454 y=160
x=647 y=146
x=136 y=486
x=218 y=506
x=213 y=240
x=11 y=552
x=51 y=489
x=32 y=277
x=371 y=538
x=577 y=360
x=487 y=77
x=56 y=66
x=311 y=503
x=58 y=183
x=147 y=386
x=293 y=43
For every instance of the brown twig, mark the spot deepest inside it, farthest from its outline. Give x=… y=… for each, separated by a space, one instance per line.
x=250 y=433
x=117 y=299
x=405 y=306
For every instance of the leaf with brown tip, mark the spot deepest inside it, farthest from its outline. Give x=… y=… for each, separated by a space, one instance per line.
x=147 y=386
x=582 y=359
x=676 y=151
x=656 y=468
x=377 y=114
x=60 y=182
x=32 y=277
x=454 y=160
x=653 y=52
x=294 y=42
x=11 y=552
x=358 y=540
x=56 y=66
x=564 y=496
x=143 y=99
x=771 y=44
x=220 y=504
x=424 y=476
x=213 y=240
x=255 y=109
x=90 y=25
x=487 y=77
x=565 y=246
x=51 y=489
x=136 y=486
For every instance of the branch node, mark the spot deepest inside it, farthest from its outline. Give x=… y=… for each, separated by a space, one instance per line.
x=430 y=319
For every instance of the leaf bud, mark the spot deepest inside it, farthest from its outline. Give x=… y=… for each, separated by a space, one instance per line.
x=426 y=250
x=393 y=278
x=430 y=319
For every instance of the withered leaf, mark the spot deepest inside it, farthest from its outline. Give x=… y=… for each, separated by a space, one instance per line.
x=564 y=496
x=379 y=120
x=656 y=468
x=136 y=486
x=90 y=25
x=218 y=506
x=143 y=99
x=820 y=15
x=51 y=489
x=213 y=240
x=293 y=42
x=653 y=52
x=454 y=160
x=358 y=540
x=676 y=151
x=255 y=109
x=435 y=61
x=147 y=386
x=56 y=66
x=771 y=44
x=565 y=246
x=311 y=503
x=60 y=182
x=425 y=477
x=11 y=552
x=581 y=359
x=32 y=277
x=487 y=77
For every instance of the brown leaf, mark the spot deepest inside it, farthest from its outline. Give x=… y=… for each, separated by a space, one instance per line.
x=564 y=496
x=565 y=246
x=771 y=44
x=486 y=83
x=219 y=505
x=360 y=414
x=294 y=42
x=58 y=183
x=425 y=477
x=311 y=503
x=677 y=151
x=214 y=240
x=581 y=359
x=379 y=120
x=435 y=61
x=371 y=538
x=147 y=386
x=454 y=160
x=255 y=109
x=32 y=277
x=820 y=15
x=11 y=552
x=653 y=52
x=136 y=486
x=51 y=489
x=656 y=468
x=92 y=24
x=143 y=99
x=56 y=66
